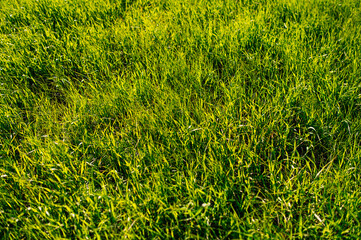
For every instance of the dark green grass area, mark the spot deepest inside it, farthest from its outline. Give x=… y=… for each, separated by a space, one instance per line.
x=165 y=119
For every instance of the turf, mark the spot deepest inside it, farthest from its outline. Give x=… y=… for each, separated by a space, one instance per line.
x=184 y=119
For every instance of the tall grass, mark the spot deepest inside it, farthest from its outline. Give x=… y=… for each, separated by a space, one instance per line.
x=180 y=119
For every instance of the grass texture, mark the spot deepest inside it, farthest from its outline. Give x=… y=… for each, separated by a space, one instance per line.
x=180 y=119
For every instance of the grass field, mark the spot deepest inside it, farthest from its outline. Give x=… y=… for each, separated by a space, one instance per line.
x=184 y=119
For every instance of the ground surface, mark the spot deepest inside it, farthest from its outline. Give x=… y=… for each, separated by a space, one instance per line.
x=180 y=119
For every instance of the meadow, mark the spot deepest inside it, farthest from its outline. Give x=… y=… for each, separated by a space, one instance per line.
x=180 y=119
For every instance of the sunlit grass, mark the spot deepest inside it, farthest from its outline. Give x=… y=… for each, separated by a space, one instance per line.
x=180 y=119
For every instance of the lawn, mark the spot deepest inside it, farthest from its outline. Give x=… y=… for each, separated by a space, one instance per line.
x=180 y=119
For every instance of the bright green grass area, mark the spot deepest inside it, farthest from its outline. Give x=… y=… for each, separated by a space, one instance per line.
x=180 y=119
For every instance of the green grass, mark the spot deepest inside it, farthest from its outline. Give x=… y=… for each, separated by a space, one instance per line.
x=180 y=119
